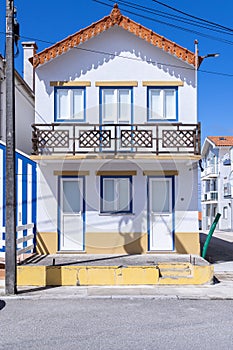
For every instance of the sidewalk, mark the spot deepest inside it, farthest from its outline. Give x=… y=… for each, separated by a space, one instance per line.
x=222 y=290
x=220 y=254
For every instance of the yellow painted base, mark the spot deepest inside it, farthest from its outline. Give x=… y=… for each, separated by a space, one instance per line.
x=46 y=243
x=119 y=243
x=115 y=243
x=187 y=243
x=111 y=275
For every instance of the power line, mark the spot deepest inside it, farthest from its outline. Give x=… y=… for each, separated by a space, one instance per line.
x=171 y=16
x=126 y=57
x=192 y=16
x=171 y=25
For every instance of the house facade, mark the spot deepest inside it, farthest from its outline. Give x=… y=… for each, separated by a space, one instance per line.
x=117 y=142
x=216 y=182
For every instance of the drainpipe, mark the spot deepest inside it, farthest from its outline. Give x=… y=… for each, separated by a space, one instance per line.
x=210 y=234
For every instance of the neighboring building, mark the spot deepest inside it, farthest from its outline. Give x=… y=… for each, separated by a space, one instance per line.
x=216 y=182
x=117 y=142
x=25 y=201
x=24 y=110
x=25 y=168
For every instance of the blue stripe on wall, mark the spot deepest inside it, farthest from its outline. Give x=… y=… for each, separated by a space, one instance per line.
x=25 y=162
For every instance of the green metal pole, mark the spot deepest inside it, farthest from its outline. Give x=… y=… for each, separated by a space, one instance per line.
x=210 y=234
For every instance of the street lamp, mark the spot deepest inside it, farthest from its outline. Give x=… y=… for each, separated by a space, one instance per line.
x=210 y=55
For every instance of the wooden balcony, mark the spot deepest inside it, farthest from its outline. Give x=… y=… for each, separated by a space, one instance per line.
x=156 y=138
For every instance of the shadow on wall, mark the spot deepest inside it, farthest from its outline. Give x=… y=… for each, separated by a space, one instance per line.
x=132 y=240
x=186 y=244
x=117 y=45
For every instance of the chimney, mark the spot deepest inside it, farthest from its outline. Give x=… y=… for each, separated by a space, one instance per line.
x=29 y=50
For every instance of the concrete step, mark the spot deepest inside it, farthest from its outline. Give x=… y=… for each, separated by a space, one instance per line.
x=175 y=270
x=88 y=275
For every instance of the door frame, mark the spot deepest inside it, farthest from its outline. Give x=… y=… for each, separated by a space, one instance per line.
x=59 y=208
x=172 y=177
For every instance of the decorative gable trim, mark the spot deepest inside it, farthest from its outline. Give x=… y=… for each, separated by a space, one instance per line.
x=115 y=18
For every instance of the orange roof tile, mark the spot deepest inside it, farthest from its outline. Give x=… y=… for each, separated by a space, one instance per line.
x=115 y=18
x=221 y=140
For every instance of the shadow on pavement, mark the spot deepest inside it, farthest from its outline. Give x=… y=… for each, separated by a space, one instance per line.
x=2 y=304
x=36 y=289
x=218 y=250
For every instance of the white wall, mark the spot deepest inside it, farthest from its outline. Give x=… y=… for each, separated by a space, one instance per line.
x=142 y=61
x=24 y=114
x=224 y=172
x=186 y=202
x=24 y=117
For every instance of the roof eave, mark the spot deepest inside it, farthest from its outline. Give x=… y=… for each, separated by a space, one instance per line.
x=115 y=18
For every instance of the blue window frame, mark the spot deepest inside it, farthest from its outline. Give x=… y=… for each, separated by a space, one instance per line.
x=162 y=103
x=70 y=103
x=116 y=194
x=116 y=105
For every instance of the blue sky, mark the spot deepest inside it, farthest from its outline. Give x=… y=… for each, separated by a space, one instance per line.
x=51 y=21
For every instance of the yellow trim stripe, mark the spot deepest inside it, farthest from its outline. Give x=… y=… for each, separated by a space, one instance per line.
x=116 y=173
x=160 y=173
x=70 y=83
x=70 y=173
x=116 y=83
x=162 y=83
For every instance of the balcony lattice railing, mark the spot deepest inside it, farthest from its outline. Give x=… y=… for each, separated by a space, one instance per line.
x=210 y=196
x=73 y=138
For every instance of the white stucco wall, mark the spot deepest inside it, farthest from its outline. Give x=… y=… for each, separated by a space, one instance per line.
x=223 y=172
x=24 y=114
x=142 y=62
x=185 y=196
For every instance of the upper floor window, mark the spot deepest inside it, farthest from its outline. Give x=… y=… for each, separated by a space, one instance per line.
x=70 y=103
x=162 y=103
x=116 y=105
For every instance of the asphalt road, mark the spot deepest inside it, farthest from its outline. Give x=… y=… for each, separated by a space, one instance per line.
x=101 y=324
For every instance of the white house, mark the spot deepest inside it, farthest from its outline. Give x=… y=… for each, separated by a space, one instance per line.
x=117 y=142
x=216 y=182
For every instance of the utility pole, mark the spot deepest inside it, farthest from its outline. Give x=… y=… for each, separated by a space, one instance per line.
x=10 y=260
